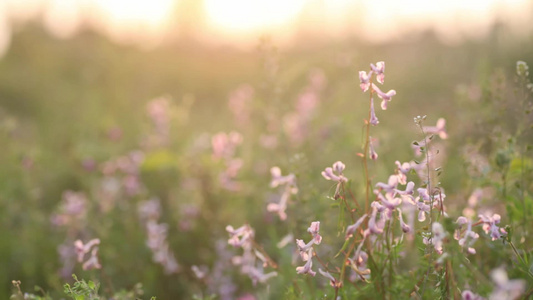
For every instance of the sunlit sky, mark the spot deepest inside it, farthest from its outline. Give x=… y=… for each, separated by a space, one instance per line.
x=242 y=21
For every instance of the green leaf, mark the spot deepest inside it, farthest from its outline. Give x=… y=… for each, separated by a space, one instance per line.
x=346 y=242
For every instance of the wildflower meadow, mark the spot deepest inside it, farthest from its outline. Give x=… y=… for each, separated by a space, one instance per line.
x=348 y=171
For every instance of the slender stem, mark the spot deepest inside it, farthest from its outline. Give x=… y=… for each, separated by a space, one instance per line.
x=429 y=248
x=343 y=198
x=388 y=244
x=366 y=152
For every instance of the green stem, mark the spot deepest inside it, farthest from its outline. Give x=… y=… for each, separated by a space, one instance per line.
x=520 y=258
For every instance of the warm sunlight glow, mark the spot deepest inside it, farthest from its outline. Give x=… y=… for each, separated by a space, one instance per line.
x=150 y=12
x=251 y=15
x=241 y=22
x=130 y=19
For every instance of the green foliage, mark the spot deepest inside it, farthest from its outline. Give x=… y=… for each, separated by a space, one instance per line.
x=82 y=290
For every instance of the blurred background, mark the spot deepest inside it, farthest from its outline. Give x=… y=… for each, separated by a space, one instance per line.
x=120 y=100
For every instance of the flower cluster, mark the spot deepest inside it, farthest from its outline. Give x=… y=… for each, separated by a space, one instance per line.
x=240 y=103
x=252 y=261
x=124 y=170
x=466 y=238
x=224 y=147
x=289 y=184
x=83 y=249
x=365 y=80
x=149 y=213
x=296 y=123
x=307 y=250
x=158 y=110
x=422 y=147
x=436 y=238
x=490 y=226
x=390 y=198
x=72 y=210
x=335 y=174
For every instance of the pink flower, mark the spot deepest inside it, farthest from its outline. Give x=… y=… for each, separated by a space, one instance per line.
x=407 y=195
x=390 y=186
x=150 y=209
x=389 y=201
x=257 y=275
x=332 y=281
x=489 y=225
x=379 y=69
x=240 y=236
x=401 y=171
x=92 y=262
x=373 y=226
x=373 y=153
x=289 y=181
x=468 y=295
x=437 y=239
x=461 y=221
x=424 y=194
x=200 y=272
x=313 y=229
x=505 y=288
x=306 y=250
x=422 y=210
x=224 y=145
x=278 y=179
x=306 y=269
x=438 y=129
x=358 y=265
x=303 y=248
x=350 y=230
x=405 y=227
x=329 y=173
x=285 y=240
x=365 y=80
x=280 y=208
x=386 y=97
x=82 y=249
x=468 y=238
